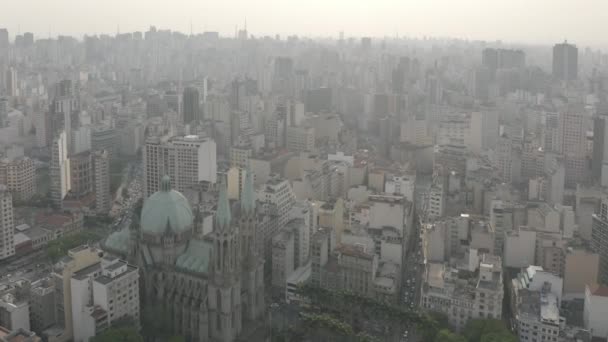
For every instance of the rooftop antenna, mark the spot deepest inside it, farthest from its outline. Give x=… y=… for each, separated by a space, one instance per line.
x=191 y=33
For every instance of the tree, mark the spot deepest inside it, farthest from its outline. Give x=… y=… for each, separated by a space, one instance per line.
x=445 y=335
x=123 y=334
x=487 y=330
x=177 y=339
x=499 y=337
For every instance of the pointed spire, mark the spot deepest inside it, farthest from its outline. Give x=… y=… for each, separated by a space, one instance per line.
x=248 y=196
x=223 y=216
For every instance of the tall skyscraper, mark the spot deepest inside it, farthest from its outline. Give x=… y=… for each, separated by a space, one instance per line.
x=572 y=143
x=11 y=82
x=565 y=61
x=101 y=167
x=60 y=169
x=599 y=162
x=64 y=106
x=191 y=105
x=7 y=225
x=187 y=160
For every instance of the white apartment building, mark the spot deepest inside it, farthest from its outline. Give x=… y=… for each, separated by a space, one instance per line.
x=7 y=225
x=102 y=293
x=60 y=169
x=188 y=160
x=277 y=191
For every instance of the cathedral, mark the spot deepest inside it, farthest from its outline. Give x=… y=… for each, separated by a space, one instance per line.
x=210 y=286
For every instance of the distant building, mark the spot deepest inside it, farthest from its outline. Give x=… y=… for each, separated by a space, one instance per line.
x=101 y=178
x=60 y=169
x=463 y=295
x=565 y=62
x=191 y=105
x=19 y=175
x=7 y=225
x=187 y=160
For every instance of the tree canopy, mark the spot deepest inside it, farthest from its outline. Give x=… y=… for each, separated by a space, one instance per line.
x=487 y=330
x=122 y=334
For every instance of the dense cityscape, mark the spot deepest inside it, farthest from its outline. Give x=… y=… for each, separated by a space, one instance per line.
x=169 y=186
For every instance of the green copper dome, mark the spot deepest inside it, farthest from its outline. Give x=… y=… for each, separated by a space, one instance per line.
x=166 y=209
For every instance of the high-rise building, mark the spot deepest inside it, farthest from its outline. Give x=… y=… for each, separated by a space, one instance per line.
x=599 y=239
x=81 y=175
x=191 y=105
x=573 y=144
x=187 y=160
x=599 y=161
x=494 y=59
x=101 y=177
x=7 y=225
x=19 y=175
x=60 y=169
x=12 y=86
x=565 y=61
x=64 y=106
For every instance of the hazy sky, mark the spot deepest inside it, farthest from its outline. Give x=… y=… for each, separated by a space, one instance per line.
x=546 y=21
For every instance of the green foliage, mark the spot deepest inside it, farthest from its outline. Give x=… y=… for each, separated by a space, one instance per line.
x=177 y=339
x=504 y=336
x=59 y=248
x=122 y=334
x=445 y=335
x=487 y=330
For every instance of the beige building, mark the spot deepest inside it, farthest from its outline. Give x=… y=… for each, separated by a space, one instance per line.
x=77 y=259
x=300 y=139
x=463 y=295
x=19 y=175
x=581 y=268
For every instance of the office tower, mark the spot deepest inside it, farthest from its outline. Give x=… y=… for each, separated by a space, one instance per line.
x=11 y=82
x=64 y=107
x=283 y=80
x=103 y=138
x=60 y=169
x=187 y=160
x=44 y=128
x=81 y=175
x=573 y=144
x=191 y=105
x=599 y=161
x=565 y=62
x=19 y=175
x=3 y=112
x=101 y=167
x=4 y=42
x=495 y=59
x=7 y=225
x=174 y=102
x=28 y=39
x=599 y=239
